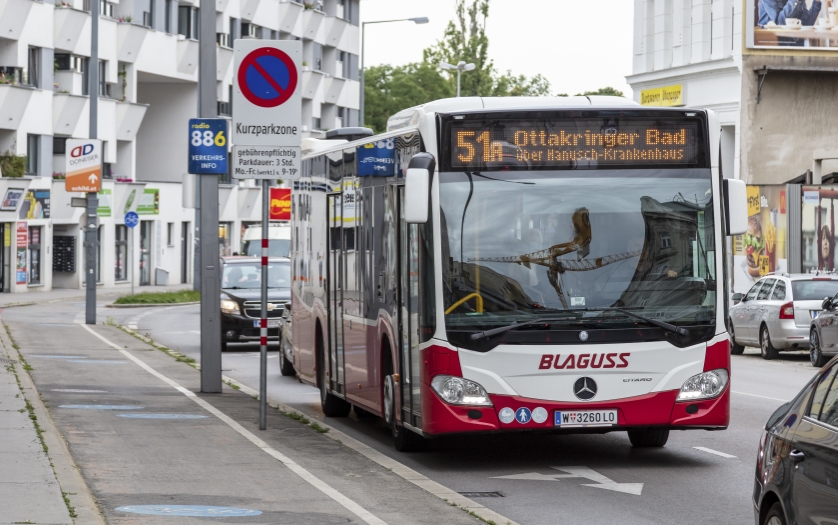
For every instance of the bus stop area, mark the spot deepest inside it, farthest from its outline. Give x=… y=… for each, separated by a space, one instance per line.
x=152 y=450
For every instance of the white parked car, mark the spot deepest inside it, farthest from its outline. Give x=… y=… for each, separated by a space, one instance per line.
x=777 y=311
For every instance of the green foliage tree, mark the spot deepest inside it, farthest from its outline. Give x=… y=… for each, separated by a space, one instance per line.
x=606 y=91
x=389 y=89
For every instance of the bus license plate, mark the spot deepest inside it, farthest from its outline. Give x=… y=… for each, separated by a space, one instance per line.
x=585 y=418
x=272 y=323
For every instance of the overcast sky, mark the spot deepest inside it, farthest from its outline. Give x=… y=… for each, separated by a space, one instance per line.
x=577 y=45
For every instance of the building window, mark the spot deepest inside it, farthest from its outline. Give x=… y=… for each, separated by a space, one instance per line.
x=666 y=240
x=32 y=154
x=187 y=21
x=59 y=145
x=105 y=9
x=341 y=11
x=315 y=123
x=68 y=62
x=107 y=169
x=121 y=256
x=34 y=255
x=340 y=116
x=104 y=87
x=168 y=16
x=317 y=56
x=224 y=242
x=170 y=234
x=85 y=76
x=33 y=64
x=234 y=24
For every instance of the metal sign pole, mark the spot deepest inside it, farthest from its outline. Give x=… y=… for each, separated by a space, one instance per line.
x=263 y=332
x=91 y=240
x=133 y=273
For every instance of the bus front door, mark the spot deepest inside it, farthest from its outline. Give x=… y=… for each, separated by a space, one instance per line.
x=409 y=366
x=335 y=261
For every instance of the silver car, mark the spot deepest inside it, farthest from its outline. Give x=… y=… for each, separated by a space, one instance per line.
x=777 y=312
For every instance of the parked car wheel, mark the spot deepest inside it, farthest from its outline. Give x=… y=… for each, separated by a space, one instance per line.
x=735 y=348
x=775 y=515
x=286 y=368
x=816 y=357
x=765 y=347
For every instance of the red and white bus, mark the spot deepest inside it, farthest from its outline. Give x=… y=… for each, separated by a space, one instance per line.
x=505 y=264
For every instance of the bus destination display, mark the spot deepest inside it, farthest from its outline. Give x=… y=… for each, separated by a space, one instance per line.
x=572 y=143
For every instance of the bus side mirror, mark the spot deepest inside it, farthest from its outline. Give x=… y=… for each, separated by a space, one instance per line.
x=736 y=207
x=417 y=188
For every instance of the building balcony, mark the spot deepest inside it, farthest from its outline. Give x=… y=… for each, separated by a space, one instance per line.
x=334 y=28
x=68 y=26
x=289 y=14
x=69 y=82
x=130 y=38
x=129 y=118
x=248 y=9
x=312 y=22
x=350 y=95
x=66 y=111
x=223 y=62
x=332 y=89
x=13 y=14
x=13 y=102
x=221 y=5
x=187 y=56
x=311 y=83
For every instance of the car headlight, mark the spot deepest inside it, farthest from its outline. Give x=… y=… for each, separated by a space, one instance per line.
x=459 y=391
x=229 y=306
x=706 y=385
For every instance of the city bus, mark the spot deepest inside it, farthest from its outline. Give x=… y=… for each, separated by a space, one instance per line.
x=517 y=264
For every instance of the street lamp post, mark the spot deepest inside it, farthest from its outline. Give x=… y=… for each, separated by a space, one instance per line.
x=460 y=67
x=417 y=20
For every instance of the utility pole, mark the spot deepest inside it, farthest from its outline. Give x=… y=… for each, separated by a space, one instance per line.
x=91 y=239
x=208 y=266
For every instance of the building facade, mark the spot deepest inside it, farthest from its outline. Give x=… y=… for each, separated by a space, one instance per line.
x=774 y=87
x=148 y=71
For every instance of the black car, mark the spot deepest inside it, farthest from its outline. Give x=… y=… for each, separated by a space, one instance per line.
x=241 y=282
x=797 y=465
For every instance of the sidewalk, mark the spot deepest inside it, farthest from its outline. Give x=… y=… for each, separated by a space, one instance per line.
x=62 y=294
x=29 y=492
x=151 y=448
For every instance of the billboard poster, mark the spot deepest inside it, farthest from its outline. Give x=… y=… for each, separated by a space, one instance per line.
x=818 y=225
x=35 y=205
x=764 y=247
x=11 y=199
x=791 y=25
x=280 y=204
x=149 y=203
x=20 y=253
x=105 y=200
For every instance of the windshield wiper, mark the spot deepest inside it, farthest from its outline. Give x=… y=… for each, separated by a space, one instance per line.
x=502 y=329
x=680 y=330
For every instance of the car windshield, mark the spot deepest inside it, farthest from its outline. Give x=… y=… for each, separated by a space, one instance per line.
x=814 y=290
x=517 y=245
x=276 y=247
x=247 y=275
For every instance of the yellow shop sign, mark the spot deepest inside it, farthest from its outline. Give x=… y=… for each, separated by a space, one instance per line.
x=667 y=96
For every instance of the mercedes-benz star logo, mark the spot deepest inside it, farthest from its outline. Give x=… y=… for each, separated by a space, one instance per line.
x=584 y=388
x=583 y=335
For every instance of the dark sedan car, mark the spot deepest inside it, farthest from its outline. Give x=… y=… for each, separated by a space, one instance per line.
x=797 y=464
x=241 y=281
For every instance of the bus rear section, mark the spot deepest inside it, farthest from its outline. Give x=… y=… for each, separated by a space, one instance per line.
x=549 y=270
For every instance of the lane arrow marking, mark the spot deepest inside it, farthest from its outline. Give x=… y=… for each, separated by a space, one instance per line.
x=601 y=482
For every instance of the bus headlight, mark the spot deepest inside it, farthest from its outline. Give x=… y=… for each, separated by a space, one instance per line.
x=229 y=306
x=706 y=385
x=459 y=391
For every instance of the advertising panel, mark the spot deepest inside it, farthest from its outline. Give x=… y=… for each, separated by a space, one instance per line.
x=20 y=253
x=818 y=224
x=35 y=205
x=791 y=24
x=83 y=165
x=149 y=203
x=280 y=204
x=11 y=199
x=105 y=203
x=377 y=159
x=764 y=247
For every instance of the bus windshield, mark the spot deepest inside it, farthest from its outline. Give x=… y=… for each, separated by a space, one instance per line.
x=517 y=245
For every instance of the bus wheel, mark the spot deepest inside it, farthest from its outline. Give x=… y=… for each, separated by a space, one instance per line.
x=648 y=437
x=403 y=439
x=331 y=405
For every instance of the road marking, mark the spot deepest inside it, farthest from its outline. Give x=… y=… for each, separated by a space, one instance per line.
x=762 y=397
x=313 y=480
x=716 y=452
x=602 y=482
x=134 y=321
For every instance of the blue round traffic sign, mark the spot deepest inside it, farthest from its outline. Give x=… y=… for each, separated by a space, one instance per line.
x=523 y=415
x=132 y=219
x=267 y=77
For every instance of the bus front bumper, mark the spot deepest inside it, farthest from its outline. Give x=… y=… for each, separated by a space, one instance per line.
x=656 y=409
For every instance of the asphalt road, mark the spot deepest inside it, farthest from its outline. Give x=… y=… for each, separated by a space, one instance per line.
x=680 y=483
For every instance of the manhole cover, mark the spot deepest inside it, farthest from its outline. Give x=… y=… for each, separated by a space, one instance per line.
x=164 y=416
x=103 y=407
x=481 y=494
x=197 y=511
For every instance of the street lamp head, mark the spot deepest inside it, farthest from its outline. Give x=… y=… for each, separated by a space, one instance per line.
x=419 y=20
x=446 y=66
x=461 y=64
x=469 y=67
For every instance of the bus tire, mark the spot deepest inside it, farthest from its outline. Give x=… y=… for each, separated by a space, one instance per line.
x=331 y=405
x=648 y=437
x=404 y=440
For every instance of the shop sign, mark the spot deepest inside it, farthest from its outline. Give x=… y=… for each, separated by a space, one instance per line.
x=35 y=205
x=11 y=199
x=105 y=199
x=666 y=97
x=149 y=203
x=280 y=204
x=20 y=260
x=83 y=165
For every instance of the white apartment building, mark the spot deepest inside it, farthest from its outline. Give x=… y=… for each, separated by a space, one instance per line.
x=774 y=95
x=148 y=69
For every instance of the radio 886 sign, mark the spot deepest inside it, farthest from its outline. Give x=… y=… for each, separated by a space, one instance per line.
x=207 y=146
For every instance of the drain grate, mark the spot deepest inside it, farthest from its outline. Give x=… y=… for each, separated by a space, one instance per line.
x=8 y=361
x=481 y=494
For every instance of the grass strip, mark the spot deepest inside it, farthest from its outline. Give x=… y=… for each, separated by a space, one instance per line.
x=173 y=297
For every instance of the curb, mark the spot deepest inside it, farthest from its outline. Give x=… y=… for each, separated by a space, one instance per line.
x=149 y=305
x=67 y=473
x=408 y=474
